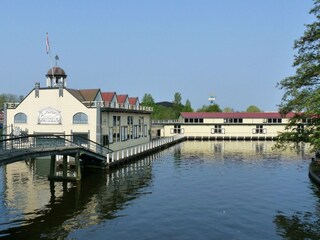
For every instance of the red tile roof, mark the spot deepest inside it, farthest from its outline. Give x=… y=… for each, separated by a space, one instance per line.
x=234 y=115
x=108 y=96
x=122 y=98
x=133 y=100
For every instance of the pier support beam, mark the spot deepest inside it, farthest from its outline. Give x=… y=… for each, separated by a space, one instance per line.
x=64 y=176
x=52 y=166
x=78 y=167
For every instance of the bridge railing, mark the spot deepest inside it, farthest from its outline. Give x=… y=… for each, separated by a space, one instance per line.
x=40 y=142
x=86 y=144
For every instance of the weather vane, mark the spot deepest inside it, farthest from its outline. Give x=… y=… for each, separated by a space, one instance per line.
x=56 y=58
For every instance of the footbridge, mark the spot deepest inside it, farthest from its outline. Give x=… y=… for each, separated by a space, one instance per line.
x=58 y=147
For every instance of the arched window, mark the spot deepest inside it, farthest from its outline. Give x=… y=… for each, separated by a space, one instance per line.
x=80 y=118
x=20 y=118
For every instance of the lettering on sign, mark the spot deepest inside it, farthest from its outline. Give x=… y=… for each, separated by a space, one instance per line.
x=49 y=116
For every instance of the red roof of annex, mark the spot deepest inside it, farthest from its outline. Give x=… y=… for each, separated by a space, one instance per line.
x=235 y=115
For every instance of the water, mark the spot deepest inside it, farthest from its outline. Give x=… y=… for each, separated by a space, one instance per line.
x=194 y=190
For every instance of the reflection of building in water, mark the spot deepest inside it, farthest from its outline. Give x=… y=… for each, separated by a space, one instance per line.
x=24 y=190
x=69 y=206
x=244 y=148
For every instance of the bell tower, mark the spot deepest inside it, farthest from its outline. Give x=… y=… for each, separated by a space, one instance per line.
x=56 y=77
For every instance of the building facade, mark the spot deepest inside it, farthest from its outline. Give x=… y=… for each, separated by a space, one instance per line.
x=218 y=125
x=102 y=117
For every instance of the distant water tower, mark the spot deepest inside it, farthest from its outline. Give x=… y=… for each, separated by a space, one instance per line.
x=212 y=99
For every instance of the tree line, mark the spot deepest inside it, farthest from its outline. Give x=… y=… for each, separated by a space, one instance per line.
x=172 y=110
x=9 y=98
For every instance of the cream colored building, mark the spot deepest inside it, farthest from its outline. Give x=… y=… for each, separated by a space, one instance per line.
x=219 y=126
x=118 y=122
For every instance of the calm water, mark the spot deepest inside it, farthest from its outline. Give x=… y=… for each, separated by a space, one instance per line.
x=194 y=190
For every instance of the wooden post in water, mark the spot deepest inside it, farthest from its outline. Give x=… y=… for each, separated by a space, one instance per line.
x=65 y=166
x=78 y=167
x=52 y=173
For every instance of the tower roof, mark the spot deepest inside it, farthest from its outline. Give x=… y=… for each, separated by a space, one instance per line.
x=56 y=71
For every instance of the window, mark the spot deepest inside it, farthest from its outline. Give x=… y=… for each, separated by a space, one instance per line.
x=124 y=133
x=233 y=120
x=259 y=129
x=217 y=129
x=146 y=130
x=307 y=120
x=116 y=120
x=274 y=120
x=186 y=120
x=111 y=135
x=135 y=131
x=105 y=140
x=80 y=118
x=130 y=120
x=20 y=118
x=81 y=139
x=176 y=129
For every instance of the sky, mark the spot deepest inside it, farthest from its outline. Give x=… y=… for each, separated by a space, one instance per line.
x=235 y=50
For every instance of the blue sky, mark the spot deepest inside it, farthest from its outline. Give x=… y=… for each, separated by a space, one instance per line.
x=235 y=50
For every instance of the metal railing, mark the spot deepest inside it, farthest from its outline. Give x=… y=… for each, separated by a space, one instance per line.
x=94 y=104
x=118 y=156
x=44 y=142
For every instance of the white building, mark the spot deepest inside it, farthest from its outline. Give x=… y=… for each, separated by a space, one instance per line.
x=115 y=121
x=220 y=126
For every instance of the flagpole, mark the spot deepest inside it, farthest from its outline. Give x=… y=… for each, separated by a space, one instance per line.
x=49 y=53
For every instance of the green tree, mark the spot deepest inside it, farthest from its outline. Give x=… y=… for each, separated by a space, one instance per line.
x=147 y=100
x=302 y=90
x=187 y=107
x=253 y=108
x=228 y=109
x=176 y=105
x=211 y=108
x=9 y=98
x=177 y=99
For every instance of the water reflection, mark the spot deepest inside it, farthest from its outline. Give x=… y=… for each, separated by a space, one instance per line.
x=241 y=150
x=32 y=207
x=196 y=190
x=300 y=225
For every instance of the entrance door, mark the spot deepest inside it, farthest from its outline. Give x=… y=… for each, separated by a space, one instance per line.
x=81 y=139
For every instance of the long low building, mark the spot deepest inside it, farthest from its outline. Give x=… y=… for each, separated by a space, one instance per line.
x=219 y=125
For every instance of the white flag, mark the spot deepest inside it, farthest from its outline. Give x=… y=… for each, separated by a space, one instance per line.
x=47 y=44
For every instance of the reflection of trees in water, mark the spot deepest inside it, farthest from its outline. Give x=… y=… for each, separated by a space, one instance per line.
x=300 y=225
x=98 y=197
